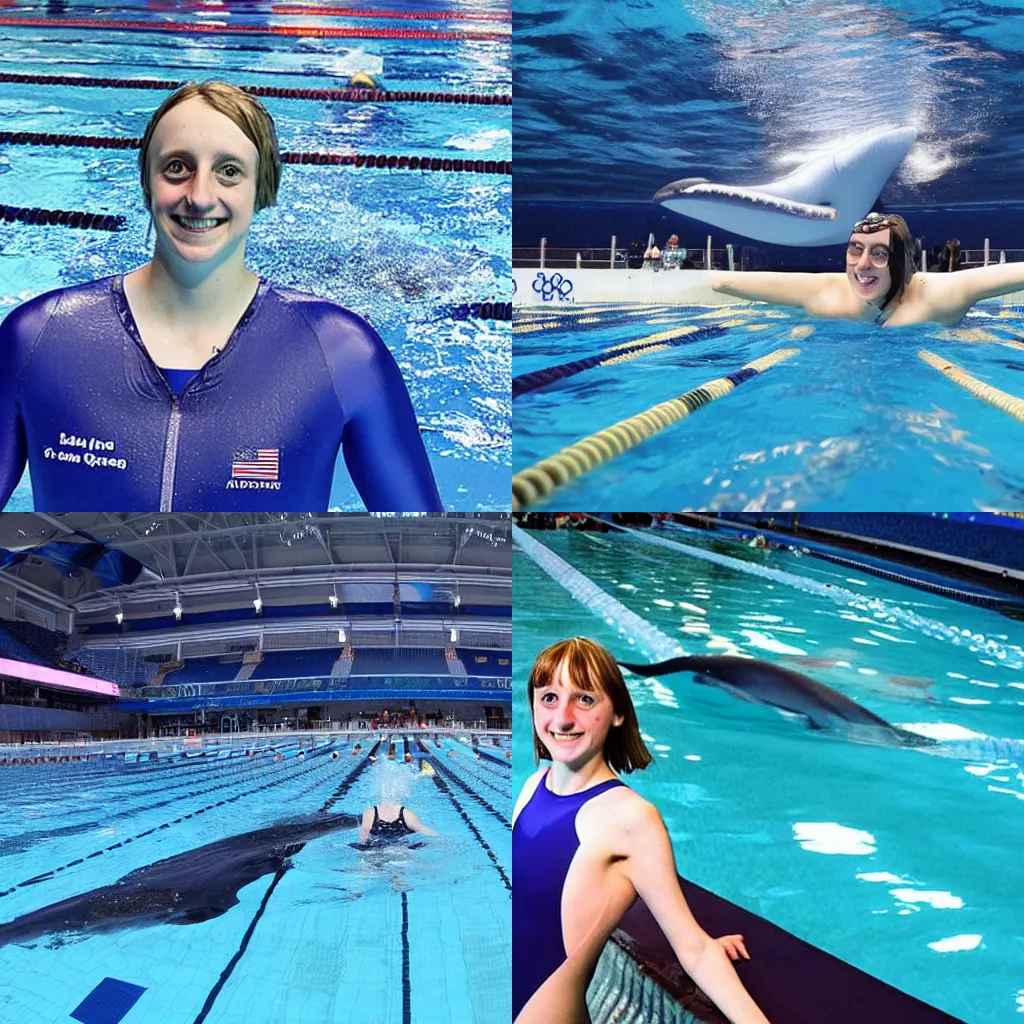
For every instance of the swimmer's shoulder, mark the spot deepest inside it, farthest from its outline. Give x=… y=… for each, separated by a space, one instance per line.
x=830 y=295
x=336 y=328
x=929 y=299
x=618 y=817
x=22 y=328
x=526 y=793
x=362 y=370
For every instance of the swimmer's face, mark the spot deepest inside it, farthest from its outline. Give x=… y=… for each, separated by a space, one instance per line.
x=202 y=177
x=867 y=264
x=572 y=722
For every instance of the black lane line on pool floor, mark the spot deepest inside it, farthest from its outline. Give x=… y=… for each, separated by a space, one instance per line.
x=233 y=962
x=406 y=992
x=443 y=786
x=449 y=774
x=485 y=777
x=185 y=817
x=469 y=773
x=346 y=784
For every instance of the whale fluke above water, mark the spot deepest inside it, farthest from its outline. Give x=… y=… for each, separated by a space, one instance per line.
x=817 y=204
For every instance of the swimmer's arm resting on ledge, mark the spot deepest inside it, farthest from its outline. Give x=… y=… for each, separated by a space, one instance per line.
x=650 y=865
x=770 y=286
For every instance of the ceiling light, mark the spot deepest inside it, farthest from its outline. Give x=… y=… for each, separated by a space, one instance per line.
x=341 y=636
x=455 y=634
x=119 y=616
x=333 y=599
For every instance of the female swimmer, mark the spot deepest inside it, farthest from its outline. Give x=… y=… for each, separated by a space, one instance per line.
x=192 y=383
x=879 y=284
x=585 y=846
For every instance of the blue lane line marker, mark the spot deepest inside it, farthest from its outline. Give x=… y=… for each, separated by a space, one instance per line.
x=108 y=1002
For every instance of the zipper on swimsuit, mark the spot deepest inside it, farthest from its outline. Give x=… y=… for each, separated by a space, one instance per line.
x=174 y=426
x=170 y=456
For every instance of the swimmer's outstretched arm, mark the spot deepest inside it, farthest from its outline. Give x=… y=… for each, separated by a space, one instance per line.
x=13 y=447
x=413 y=821
x=769 y=286
x=650 y=865
x=962 y=289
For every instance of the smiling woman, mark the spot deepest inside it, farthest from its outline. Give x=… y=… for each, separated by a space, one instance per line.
x=206 y=386
x=879 y=283
x=585 y=846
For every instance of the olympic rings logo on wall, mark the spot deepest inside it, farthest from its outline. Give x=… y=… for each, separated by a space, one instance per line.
x=550 y=288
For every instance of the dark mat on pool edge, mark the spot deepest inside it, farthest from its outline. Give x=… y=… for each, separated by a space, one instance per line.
x=792 y=981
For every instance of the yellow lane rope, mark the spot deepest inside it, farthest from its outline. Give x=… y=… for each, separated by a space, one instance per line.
x=542 y=479
x=1000 y=399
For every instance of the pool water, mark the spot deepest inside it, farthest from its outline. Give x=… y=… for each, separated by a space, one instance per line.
x=369 y=937
x=406 y=250
x=905 y=865
x=855 y=421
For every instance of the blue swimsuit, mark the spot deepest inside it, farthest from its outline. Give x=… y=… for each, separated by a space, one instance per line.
x=544 y=842
x=256 y=429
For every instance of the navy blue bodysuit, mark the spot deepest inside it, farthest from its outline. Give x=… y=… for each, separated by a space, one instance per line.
x=544 y=842
x=258 y=428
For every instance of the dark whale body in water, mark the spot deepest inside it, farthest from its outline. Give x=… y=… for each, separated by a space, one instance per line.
x=761 y=682
x=190 y=887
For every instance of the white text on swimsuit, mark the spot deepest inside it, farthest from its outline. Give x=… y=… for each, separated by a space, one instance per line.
x=88 y=457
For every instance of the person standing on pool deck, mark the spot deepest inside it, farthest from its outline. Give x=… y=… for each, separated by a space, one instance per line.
x=192 y=383
x=584 y=846
x=879 y=284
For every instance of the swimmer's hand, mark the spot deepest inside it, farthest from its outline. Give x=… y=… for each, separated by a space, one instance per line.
x=733 y=945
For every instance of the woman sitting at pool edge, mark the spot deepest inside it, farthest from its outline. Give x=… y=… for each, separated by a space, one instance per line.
x=192 y=383
x=880 y=284
x=585 y=846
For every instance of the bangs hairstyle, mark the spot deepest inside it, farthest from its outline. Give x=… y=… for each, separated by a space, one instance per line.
x=592 y=668
x=247 y=113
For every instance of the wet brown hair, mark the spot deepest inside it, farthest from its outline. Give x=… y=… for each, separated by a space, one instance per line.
x=246 y=112
x=591 y=667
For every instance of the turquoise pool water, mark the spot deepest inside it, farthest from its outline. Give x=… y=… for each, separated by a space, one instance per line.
x=903 y=864
x=368 y=937
x=406 y=250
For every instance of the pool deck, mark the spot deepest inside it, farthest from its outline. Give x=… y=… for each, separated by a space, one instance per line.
x=535 y=287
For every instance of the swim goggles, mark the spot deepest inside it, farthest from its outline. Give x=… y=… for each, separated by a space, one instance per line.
x=872 y=222
x=878 y=254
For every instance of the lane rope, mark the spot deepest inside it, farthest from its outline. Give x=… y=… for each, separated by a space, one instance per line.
x=180 y=28
x=538 y=379
x=272 y=91
x=1003 y=400
x=541 y=480
x=356 y=12
x=65 y=218
x=387 y=161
